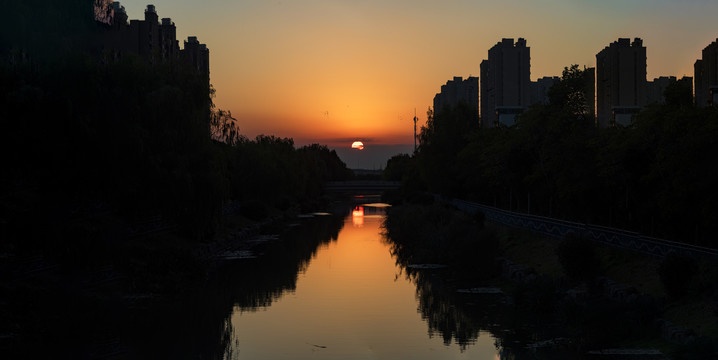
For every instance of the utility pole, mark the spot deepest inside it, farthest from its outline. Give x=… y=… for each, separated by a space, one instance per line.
x=415 y=120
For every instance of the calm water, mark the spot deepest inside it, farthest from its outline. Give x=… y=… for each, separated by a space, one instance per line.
x=349 y=300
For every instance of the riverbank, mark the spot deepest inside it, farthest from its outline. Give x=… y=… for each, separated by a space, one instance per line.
x=81 y=290
x=625 y=299
x=640 y=273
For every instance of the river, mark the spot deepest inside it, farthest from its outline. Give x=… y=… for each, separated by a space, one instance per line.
x=350 y=300
x=326 y=286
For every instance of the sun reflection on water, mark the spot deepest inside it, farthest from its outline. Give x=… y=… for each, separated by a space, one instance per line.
x=358 y=216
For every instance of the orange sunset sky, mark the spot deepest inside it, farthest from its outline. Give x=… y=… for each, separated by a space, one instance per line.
x=333 y=71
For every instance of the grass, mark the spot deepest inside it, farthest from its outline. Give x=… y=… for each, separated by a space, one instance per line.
x=696 y=312
x=529 y=249
x=630 y=268
x=232 y=223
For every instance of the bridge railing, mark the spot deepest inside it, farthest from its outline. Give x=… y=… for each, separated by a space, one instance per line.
x=557 y=228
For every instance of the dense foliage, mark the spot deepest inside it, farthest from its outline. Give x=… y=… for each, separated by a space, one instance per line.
x=656 y=176
x=138 y=138
x=272 y=170
x=578 y=258
x=678 y=274
x=117 y=179
x=436 y=234
x=547 y=310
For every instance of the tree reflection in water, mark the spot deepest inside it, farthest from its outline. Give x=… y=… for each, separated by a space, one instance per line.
x=441 y=314
x=462 y=318
x=519 y=330
x=200 y=326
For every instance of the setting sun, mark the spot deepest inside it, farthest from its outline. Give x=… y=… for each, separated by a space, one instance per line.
x=324 y=72
x=358 y=145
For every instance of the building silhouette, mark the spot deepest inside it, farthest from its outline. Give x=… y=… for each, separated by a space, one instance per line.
x=197 y=55
x=656 y=88
x=168 y=44
x=154 y=41
x=539 y=89
x=620 y=82
x=457 y=90
x=505 y=82
x=706 y=76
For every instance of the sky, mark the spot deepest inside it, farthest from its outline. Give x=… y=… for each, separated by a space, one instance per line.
x=335 y=71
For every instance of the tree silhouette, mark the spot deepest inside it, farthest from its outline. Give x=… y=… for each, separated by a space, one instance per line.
x=104 y=11
x=569 y=94
x=654 y=177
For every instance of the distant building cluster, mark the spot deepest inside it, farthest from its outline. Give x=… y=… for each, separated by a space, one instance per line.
x=617 y=87
x=539 y=89
x=154 y=40
x=457 y=90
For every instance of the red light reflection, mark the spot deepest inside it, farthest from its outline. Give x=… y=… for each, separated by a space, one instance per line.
x=358 y=216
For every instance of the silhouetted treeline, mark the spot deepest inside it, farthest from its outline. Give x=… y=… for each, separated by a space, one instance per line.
x=271 y=170
x=204 y=329
x=535 y=315
x=126 y=134
x=112 y=170
x=656 y=176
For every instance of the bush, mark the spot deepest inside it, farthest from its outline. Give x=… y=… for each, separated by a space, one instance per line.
x=479 y=218
x=421 y=234
x=577 y=258
x=420 y=198
x=539 y=295
x=700 y=348
x=677 y=273
x=392 y=196
x=254 y=210
x=473 y=253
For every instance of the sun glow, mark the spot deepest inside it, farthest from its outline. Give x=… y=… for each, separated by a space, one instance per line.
x=358 y=145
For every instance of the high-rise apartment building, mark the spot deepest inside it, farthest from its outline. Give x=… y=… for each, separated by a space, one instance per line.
x=151 y=39
x=196 y=54
x=457 y=90
x=147 y=32
x=505 y=82
x=706 y=76
x=620 y=82
x=169 y=46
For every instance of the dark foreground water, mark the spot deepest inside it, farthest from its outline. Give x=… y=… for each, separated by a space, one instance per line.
x=325 y=287
x=350 y=301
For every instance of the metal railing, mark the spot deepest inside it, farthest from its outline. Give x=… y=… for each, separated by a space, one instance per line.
x=557 y=228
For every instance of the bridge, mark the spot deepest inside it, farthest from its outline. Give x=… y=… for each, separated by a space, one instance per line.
x=360 y=186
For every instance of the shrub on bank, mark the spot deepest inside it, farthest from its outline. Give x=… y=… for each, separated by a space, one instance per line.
x=439 y=234
x=254 y=210
x=677 y=273
x=539 y=295
x=578 y=258
x=700 y=348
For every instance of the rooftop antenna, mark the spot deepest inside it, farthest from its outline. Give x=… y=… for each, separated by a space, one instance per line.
x=415 y=120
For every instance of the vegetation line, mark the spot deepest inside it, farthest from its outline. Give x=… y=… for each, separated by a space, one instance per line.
x=655 y=177
x=557 y=228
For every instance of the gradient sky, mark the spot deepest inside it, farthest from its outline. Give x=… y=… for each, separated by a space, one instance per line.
x=332 y=71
